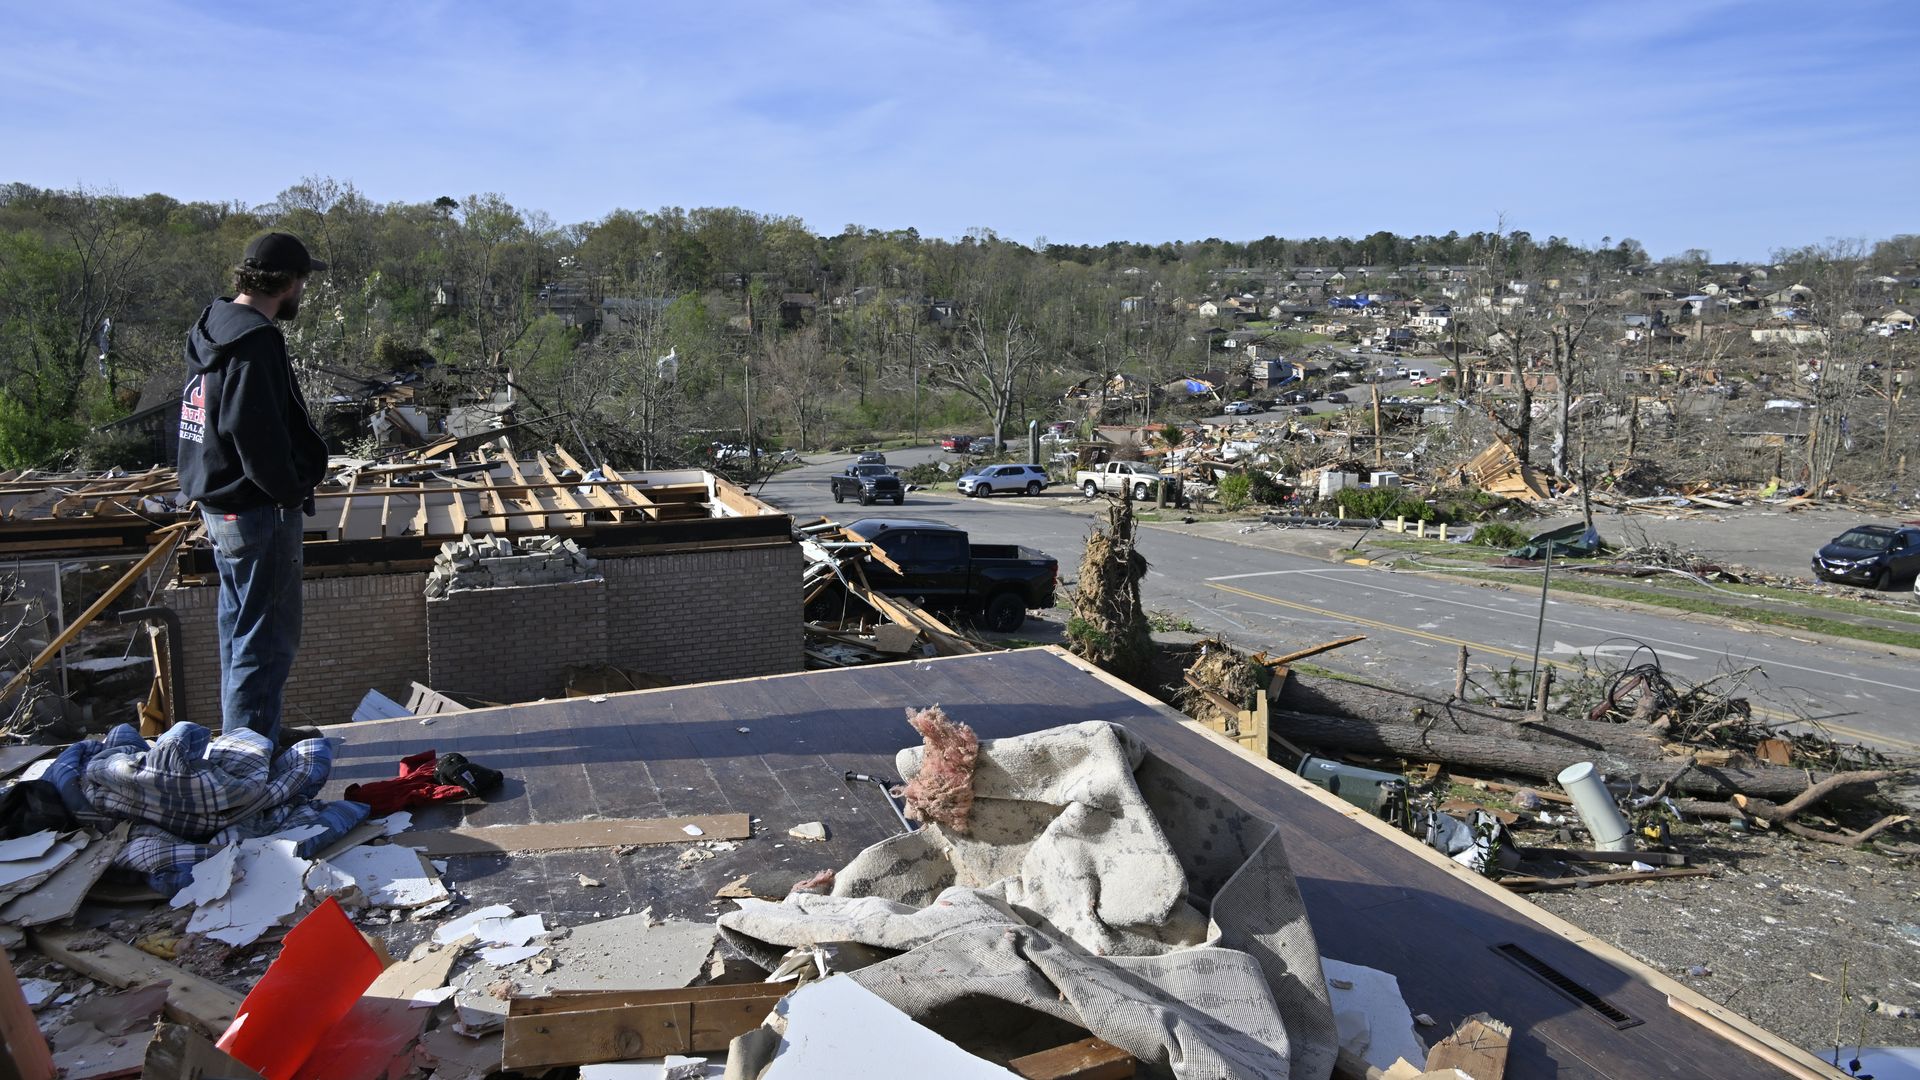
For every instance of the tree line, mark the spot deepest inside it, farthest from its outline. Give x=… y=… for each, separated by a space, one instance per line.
x=644 y=333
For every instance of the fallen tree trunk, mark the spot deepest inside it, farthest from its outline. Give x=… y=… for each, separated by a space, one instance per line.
x=1764 y=813
x=1541 y=760
x=1335 y=697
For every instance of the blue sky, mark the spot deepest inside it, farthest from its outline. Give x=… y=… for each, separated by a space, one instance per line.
x=1735 y=127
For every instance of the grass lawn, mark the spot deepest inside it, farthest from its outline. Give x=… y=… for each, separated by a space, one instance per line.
x=1680 y=594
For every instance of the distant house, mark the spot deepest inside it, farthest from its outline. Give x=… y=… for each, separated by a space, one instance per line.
x=796 y=309
x=1208 y=309
x=630 y=312
x=1132 y=303
x=1896 y=318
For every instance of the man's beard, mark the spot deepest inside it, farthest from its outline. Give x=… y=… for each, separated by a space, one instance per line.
x=289 y=308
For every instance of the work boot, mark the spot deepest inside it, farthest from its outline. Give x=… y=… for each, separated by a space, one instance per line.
x=478 y=780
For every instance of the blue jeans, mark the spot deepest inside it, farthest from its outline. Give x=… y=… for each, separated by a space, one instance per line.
x=258 y=556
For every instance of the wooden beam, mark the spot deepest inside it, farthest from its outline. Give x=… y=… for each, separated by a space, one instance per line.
x=527 y=495
x=1088 y=1059
x=23 y=1050
x=1538 y=884
x=1316 y=650
x=201 y=1003
x=582 y=1029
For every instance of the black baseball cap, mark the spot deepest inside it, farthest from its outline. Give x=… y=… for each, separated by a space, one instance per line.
x=281 y=253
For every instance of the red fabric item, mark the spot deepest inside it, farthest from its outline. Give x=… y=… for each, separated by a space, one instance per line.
x=415 y=784
x=323 y=967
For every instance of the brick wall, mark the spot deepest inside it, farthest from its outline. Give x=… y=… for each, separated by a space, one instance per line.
x=358 y=634
x=687 y=617
x=703 y=615
x=514 y=644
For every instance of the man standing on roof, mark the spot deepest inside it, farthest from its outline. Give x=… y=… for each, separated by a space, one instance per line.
x=251 y=457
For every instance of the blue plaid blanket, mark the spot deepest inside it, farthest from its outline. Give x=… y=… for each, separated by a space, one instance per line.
x=191 y=793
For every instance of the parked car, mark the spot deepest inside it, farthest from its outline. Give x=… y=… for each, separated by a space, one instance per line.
x=1303 y=410
x=1241 y=408
x=939 y=568
x=955 y=444
x=984 y=444
x=1872 y=555
x=871 y=457
x=1031 y=479
x=869 y=484
x=1337 y=398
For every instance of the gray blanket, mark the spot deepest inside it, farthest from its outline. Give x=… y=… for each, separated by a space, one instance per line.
x=1097 y=885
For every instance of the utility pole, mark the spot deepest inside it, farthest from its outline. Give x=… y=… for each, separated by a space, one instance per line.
x=1377 y=461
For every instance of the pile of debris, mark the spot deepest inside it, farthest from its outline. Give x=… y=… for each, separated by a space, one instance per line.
x=849 y=622
x=1675 y=750
x=494 y=562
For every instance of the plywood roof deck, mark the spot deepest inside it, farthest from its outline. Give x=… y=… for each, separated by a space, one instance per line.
x=775 y=748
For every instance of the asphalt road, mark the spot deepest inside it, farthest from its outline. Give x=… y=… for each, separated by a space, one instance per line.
x=1415 y=623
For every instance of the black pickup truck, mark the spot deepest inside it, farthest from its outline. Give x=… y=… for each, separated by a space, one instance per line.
x=995 y=582
x=868 y=483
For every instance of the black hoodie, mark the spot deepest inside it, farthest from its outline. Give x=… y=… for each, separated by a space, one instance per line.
x=245 y=439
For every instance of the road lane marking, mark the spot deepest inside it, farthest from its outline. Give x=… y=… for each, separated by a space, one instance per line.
x=1758 y=710
x=1277 y=573
x=1568 y=623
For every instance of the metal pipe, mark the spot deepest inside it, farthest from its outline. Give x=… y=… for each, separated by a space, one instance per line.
x=1596 y=807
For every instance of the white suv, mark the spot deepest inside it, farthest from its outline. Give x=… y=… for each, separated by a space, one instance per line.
x=1031 y=479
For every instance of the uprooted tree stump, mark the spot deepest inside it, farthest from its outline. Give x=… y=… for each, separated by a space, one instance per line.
x=1109 y=625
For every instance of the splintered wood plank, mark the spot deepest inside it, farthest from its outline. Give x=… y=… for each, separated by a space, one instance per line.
x=558 y=836
x=202 y=1003
x=580 y=1029
x=1088 y=1059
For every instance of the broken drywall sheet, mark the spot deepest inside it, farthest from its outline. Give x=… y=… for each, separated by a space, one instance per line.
x=1372 y=1017
x=671 y=1067
x=511 y=933
x=456 y=929
x=510 y=954
x=38 y=991
x=836 y=1027
x=390 y=875
x=397 y=822
x=212 y=877
x=21 y=875
x=629 y=953
x=61 y=895
x=267 y=887
x=30 y=846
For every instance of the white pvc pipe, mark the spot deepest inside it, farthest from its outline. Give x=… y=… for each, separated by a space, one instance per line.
x=1596 y=807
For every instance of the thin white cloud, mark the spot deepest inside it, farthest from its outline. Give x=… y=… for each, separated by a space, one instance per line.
x=1081 y=121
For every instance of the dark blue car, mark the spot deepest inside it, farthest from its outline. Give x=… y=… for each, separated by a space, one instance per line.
x=1877 y=556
